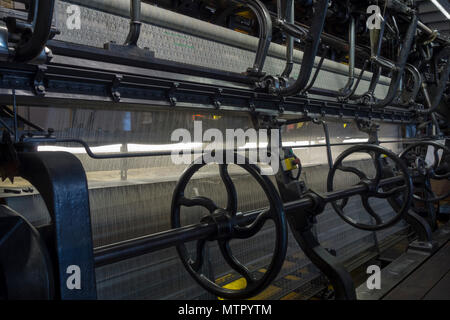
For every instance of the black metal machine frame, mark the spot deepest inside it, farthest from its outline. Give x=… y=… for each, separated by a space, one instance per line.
x=79 y=74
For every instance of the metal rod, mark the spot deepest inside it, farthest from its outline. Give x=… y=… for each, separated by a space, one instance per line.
x=22 y=119
x=265 y=34
x=351 y=63
x=355 y=87
x=327 y=140
x=311 y=48
x=316 y=73
x=192 y=151
x=399 y=65
x=289 y=12
x=135 y=23
x=158 y=241
x=16 y=127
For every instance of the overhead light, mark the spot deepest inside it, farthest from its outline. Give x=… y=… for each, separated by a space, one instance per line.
x=80 y=150
x=441 y=8
x=163 y=147
x=355 y=140
x=294 y=144
x=116 y=148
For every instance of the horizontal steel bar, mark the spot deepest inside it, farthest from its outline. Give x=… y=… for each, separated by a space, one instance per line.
x=136 y=247
x=80 y=82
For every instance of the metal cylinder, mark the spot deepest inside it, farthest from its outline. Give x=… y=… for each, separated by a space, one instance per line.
x=175 y=21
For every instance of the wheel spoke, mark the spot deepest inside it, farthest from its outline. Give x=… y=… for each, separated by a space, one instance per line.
x=436 y=157
x=390 y=193
x=353 y=170
x=231 y=189
x=252 y=229
x=200 y=255
x=378 y=167
x=233 y=262
x=343 y=204
x=373 y=214
x=199 y=201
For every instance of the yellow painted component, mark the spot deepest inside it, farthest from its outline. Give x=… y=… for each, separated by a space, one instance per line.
x=238 y=284
x=241 y=283
x=300 y=124
x=291 y=277
x=292 y=296
x=266 y=294
x=217 y=117
x=224 y=278
x=345 y=125
x=287 y=265
x=289 y=164
x=262 y=270
x=303 y=270
x=241 y=31
x=346 y=63
x=245 y=14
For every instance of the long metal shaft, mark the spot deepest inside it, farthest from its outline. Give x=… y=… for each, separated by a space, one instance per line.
x=136 y=247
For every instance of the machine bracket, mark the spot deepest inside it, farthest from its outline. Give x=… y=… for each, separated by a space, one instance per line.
x=61 y=180
x=115 y=93
x=216 y=98
x=171 y=94
x=38 y=81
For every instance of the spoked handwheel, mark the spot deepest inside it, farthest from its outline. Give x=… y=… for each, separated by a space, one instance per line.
x=231 y=225
x=399 y=184
x=424 y=170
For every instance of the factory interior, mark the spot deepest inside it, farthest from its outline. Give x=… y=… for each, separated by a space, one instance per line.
x=220 y=150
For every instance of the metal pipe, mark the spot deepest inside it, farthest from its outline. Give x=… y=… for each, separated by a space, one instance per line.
x=265 y=34
x=167 y=19
x=351 y=63
x=327 y=140
x=311 y=48
x=135 y=23
x=399 y=65
x=289 y=12
x=316 y=73
x=136 y=247
x=355 y=87
x=16 y=126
